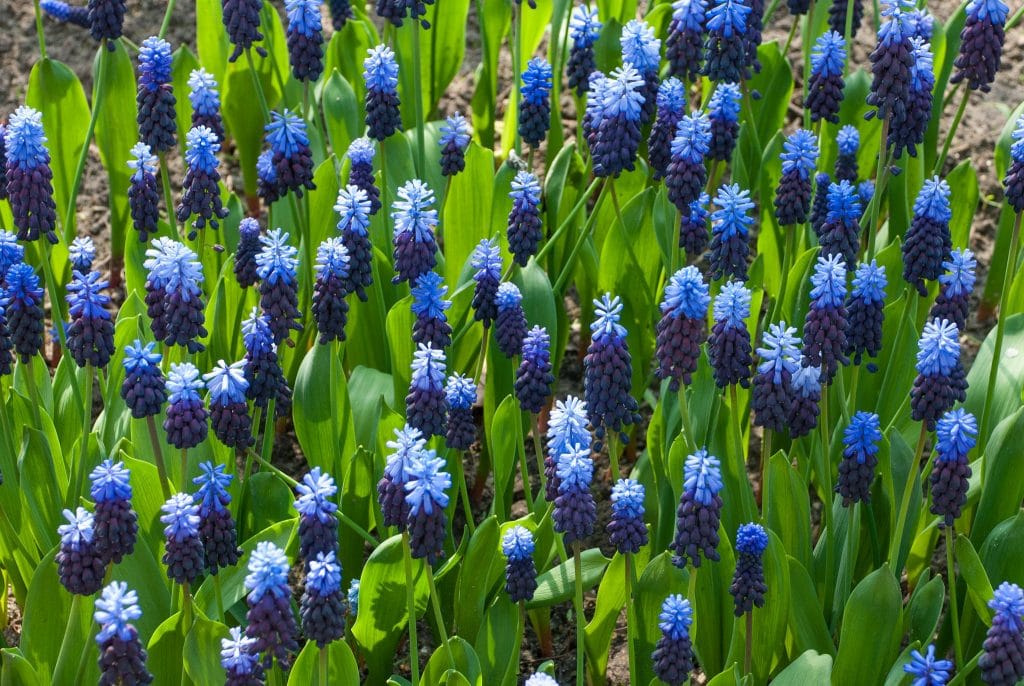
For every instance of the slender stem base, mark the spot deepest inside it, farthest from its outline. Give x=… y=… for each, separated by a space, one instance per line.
x=954 y=608
x=435 y=601
x=578 y=608
x=158 y=457
x=896 y=536
x=631 y=625
x=410 y=596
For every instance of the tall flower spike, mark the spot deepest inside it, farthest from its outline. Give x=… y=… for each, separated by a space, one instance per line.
x=415 y=221
x=80 y=565
x=1013 y=182
x=276 y=266
x=155 y=96
x=535 y=115
x=748 y=586
x=865 y=312
x=185 y=423
x=848 y=143
x=686 y=175
x=429 y=305
x=510 y=326
x=318 y=523
x=174 y=295
x=143 y=388
x=837 y=12
x=617 y=121
x=724 y=113
x=426 y=497
x=407 y=446
x=65 y=13
x=699 y=512
x=803 y=414
x=927 y=245
x=725 y=47
x=683 y=326
x=520 y=571
x=426 y=404
x=291 y=156
x=525 y=227
x=229 y=412
x=671 y=108
x=106 y=18
x=323 y=602
x=840 y=234
x=29 y=184
x=891 y=63
x=793 y=195
x=584 y=30
x=684 y=47
x=825 y=91
x=575 y=512
x=270 y=619
x=608 y=373
x=200 y=196
x=115 y=522
x=217 y=528
x=956 y=434
x=91 y=334
x=772 y=399
x=907 y=128
x=534 y=376
x=245 y=256
x=454 y=139
x=240 y=660
x=594 y=111
x=461 y=394
x=25 y=317
x=143 y=193
x=395 y=11
x=262 y=368
x=730 y=228
x=956 y=286
x=1002 y=660
x=184 y=550
x=486 y=260
x=11 y=253
x=642 y=50
x=826 y=323
x=205 y=101
x=6 y=344
x=673 y=654
x=242 y=22
x=341 y=13
x=693 y=227
x=122 y=658
x=380 y=71
x=860 y=457
x=567 y=427
x=981 y=44
x=82 y=253
x=354 y=208
x=927 y=670
x=941 y=381
x=729 y=347
x=626 y=530
x=330 y=309
x=360 y=156
x=305 y=39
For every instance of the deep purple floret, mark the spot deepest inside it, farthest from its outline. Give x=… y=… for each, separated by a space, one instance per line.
x=426 y=405
x=684 y=47
x=825 y=91
x=608 y=373
x=520 y=571
x=330 y=308
x=826 y=323
x=941 y=381
x=699 y=511
x=616 y=120
x=380 y=71
x=642 y=50
x=122 y=658
x=25 y=317
x=956 y=286
x=229 y=412
x=575 y=512
x=840 y=234
x=956 y=434
x=461 y=394
x=407 y=446
x=242 y=22
x=730 y=226
x=143 y=389
x=454 y=139
x=927 y=244
x=534 y=376
x=174 y=294
x=155 y=96
x=535 y=112
x=115 y=522
x=200 y=196
x=729 y=348
x=249 y=246
x=185 y=422
x=865 y=311
x=981 y=44
x=724 y=112
x=217 y=528
x=686 y=175
x=725 y=47
x=354 y=208
x=793 y=194
x=276 y=265
x=425 y=494
x=510 y=324
x=80 y=565
x=891 y=63
x=627 y=530
x=90 y=337
x=683 y=326
x=106 y=18
x=183 y=549
x=486 y=260
x=270 y=618
x=305 y=39
x=673 y=654
x=290 y=156
x=415 y=220
x=205 y=101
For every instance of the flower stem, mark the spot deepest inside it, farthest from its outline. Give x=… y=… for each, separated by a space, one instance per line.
x=631 y=624
x=896 y=535
x=876 y=199
x=538 y=449
x=748 y=651
x=323 y=666
x=570 y=262
x=613 y=456
x=83 y=456
x=954 y=609
x=165 y=178
x=186 y=615
x=166 y=24
x=517 y=68
x=258 y=86
x=65 y=646
x=580 y=646
x=435 y=600
x=460 y=479
x=941 y=160
x=410 y=597
x=418 y=104
x=523 y=467
x=97 y=98
x=40 y=36
x=218 y=594
x=183 y=475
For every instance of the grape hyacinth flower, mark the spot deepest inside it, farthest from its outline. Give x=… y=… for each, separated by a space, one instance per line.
x=684 y=46
x=725 y=47
x=699 y=512
x=1002 y=659
x=143 y=389
x=200 y=196
x=927 y=244
x=353 y=598
x=81 y=254
x=752 y=38
x=29 y=184
x=584 y=30
x=837 y=16
x=184 y=550
x=981 y=44
x=693 y=227
x=205 y=101
x=535 y=115
x=115 y=524
x=249 y=246
x=748 y=586
x=122 y=658
x=6 y=344
x=730 y=228
x=330 y=309
x=860 y=457
x=598 y=84
x=276 y=266
x=724 y=113
x=616 y=121
x=608 y=373
x=461 y=394
x=290 y=154
x=486 y=261
x=229 y=412
x=217 y=529
x=426 y=405
x=262 y=368
x=891 y=63
x=155 y=96
x=90 y=336
x=772 y=399
x=927 y=670
x=396 y=10
x=240 y=660
x=520 y=572
x=825 y=91
x=683 y=327
x=907 y=131
x=626 y=530
x=826 y=323
x=270 y=618
x=671 y=108
x=305 y=39
x=729 y=347
x=803 y=415
x=510 y=324
x=956 y=433
x=567 y=427
x=941 y=381
x=143 y=193
x=673 y=655
x=415 y=221
x=793 y=194
x=686 y=175
x=25 y=317
x=1013 y=182
x=106 y=18
x=341 y=13
x=428 y=304
x=267 y=187
x=426 y=498
x=380 y=71
x=408 y=446
x=848 y=143
x=575 y=512
x=174 y=295
x=642 y=50
x=454 y=141
x=840 y=234
x=534 y=376
x=957 y=284
x=66 y=14
x=185 y=423
x=819 y=205
x=11 y=253
x=525 y=228
x=921 y=24
x=323 y=603
x=80 y=564
x=242 y=22
x=354 y=208
x=318 y=523
x=360 y=156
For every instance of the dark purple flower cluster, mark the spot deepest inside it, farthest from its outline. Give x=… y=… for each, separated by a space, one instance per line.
x=535 y=112
x=318 y=521
x=525 y=228
x=941 y=381
x=673 y=655
x=426 y=497
x=341 y=13
x=90 y=336
x=323 y=603
x=174 y=294
x=699 y=512
x=981 y=44
x=803 y=414
x=217 y=528
x=840 y=234
x=428 y=304
x=584 y=30
x=249 y=246
x=143 y=194
x=892 y=61
x=354 y=207
x=825 y=93
x=520 y=571
x=454 y=140
x=115 y=522
x=671 y=108
x=461 y=394
x=407 y=446
x=185 y=422
x=270 y=619
x=724 y=113
x=262 y=368
x=627 y=530
x=426 y=405
x=290 y=156
x=229 y=413
x=380 y=71
x=155 y=96
x=613 y=120
x=642 y=50
x=860 y=457
x=122 y=658
x=957 y=284
x=793 y=195
x=534 y=376
x=575 y=512
x=1002 y=659
x=827 y=322
x=415 y=220
x=80 y=564
x=684 y=47
x=683 y=326
x=106 y=18
x=183 y=550
x=726 y=43
x=955 y=434
x=276 y=266
x=608 y=373
x=730 y=233
x=748 y=586
x=200 y=196
x=510 y=324
x=305 y=39
x=686 y=174
x=29 y=178
x=242 y=22
x=330 y=309
x=25 y=317
x=729 y=348
x=837 y=13
x=772 y=399
x=927 y=244
x=865 y=311
x=143 y=389
x=486 y=260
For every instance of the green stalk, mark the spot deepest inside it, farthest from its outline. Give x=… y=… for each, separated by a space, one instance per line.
x=83 y=456
x=896 y=535
x=538 y=450
x=166 y=23
x=186 y=614
x=631 y=624
x=787 y=264
x=954 y=609
x=460 y=478
x=40 y=36
x=570 y=262
x=519 y=634
x=435 y=600
x=847 y=32
x=748 y=651
x=418 y=95
x=165 y=179
x=97 y=98
x=613 y=455
x=578 y=607
x=64 y=655
x=410 y=597
x=33 y=390
x=684 y=416
x=876 y=199
x=517 y=69
x=158 y=458
x=629 y=245
x=257 y=85
x=184 y=467
x=941 y=161
x=323 y=667
x=826 y=504
x=218 y=595
x=523 y=468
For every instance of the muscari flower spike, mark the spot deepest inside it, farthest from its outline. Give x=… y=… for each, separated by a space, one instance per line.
x=6 y=344
x=724 y=113
x=29 y=177
x=848 y=143
x=837 y=12
x=395 y=11
x=608 y=373
x=66 y=14
x=534 y=376
x=567 y=427
x=24 y=305
x=956 y=434
x=115 y=524
x=486 y=260
x=106 y=18
x=584 y=30
x=205 y=101
x=891 y=62
x=360 y=156
x=415 y=221
x=122 y=658
x=772 y=399
x=825 y=91
x=725 y=46
x=184 y=550
x=1002 y=659
x=322 y=608
x=380 y=71
x=353 y=598
x=1013 y=182
x=865 y=312
x=305 y=39
x=229 y=412
x=454 y=140
x=242 y=22
x=318 y=523
x=525 y=227
x=174 y=295
x=927 y=244
x=908 y=126
x=276 y=266
x=575 y=512
x=290 y=155
x=642 y=50
x=90 y=336
x=143 y=389
x=407 y=446
x=826 y=323
x=699 y=511
x=80 y=565
x=155 y=96
x=840 y=234
x=461 y=394
x=217 y=529
x=535 y=112
x=941 y=381
x=819 y=205
x=683 y=326
x=803 y=414
x=143 y=192
x=928 y=670
x=429 y=305
x=860 y=457
x=330 y=308
x=673 y=654
x=426 y=404
x=262 y=368
x=956 y=286
x=616 y=121
x=686 y=175
x=82 y=253
x=245 y=255
x=981 y=44
x=520 y=571
x=684 y=47
x=270 y=619
x=200 y=196
x=11 y=253
x=426 y=497
x=185 y=422
x=341 y=13
x=748 y=586
x=671 y=108
x=510 y=325
x=729 y=347
x=240 y=660
x=793 y=194
x=354 y=208
x=626 y=530
x=730 y=226
x=693 y=227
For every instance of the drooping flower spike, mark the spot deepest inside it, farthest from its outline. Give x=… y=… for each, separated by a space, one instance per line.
x=217 y=528
x=534 y=376
x=425 y=494
x=671 y=108
x=729 y=347
x=229 y=411
x=1002 y=659
x=627 y=530
x=793 y=195
x=395 y=11
x=748 y=587
x=693 y=227
x=608 y=373
x=80 y=564
x=730 y=228
x=90 y=337
x=155 y=96
x=174 y=295
x=276 y=265
x=486 y=260
x=200 y=196
x=567 y=427
x=525 y=227
x=642 y=50
x=354 y=208
x=848 y=143
x=673 y=654
x=429 y=305
x=143 y=193
x=827 y=320
x=24 y=305
x=927 y=244
x=290 y=155
x=205 y=101
x=684 y=47
x=981 y=44
x=81 y=254
x=825 y=91
x=535 y=112
x=840 y=234
x=318 y=521
x=860 y=457
x=143 y=389
x=360 y=155
x=584 y=30
x=772 y=398
x=699 y=512
x=380 y=71
x=687 y=175
x=941 y=381
x=270 y=620
x=724 y=113
x=330 y=308
x=305 y=39
x=106 y=18
x=407 y=446
x=322 y=608
x=240 y=660
x=454 y=140
x=122 y=658
x=185 y=422
x=956 y=286
x=242 y=22
x=865 y=312
x=520 y=571
x=683 y=326
x=927 y=669
x=616 y=120
x=575 y=512
x=29 y=184
x=183 y=552
x=66 y=14
x=956 y=433
x=415 y=221
x=461 y=394
x=115 y=524
x=725 y=47
x=510 y=325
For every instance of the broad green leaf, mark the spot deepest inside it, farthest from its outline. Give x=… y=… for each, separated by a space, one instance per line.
x=368 y=390
x=341 y=113
x=399 y=325
x=165 y=649
x=871 y=629
x=1003 y=551
x=611 y=597
x=320 y=407
x=212 y=39
x=17 y=671
x=473 y=585
x=1005 y=398
x=341 y=665
x=497 y=643
x=43 y=627
x=789 y=513
x=806 y=622
x=467 y=212
x=1002 y=487
x=466 y=663
x=504 y=442
x=558 y=584
x=809 y=668
x=979 y=588
x=925 y=608
x=963 y=182
x=659 y=580
x=200 y=657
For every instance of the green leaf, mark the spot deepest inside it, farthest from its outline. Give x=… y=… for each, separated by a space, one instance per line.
x=475 y=576
x=963 y=182
x=809 y=668
x=558 y=584
x=200 y=657
x=1005 y=397
x=872 y=624
x=789 y=514
x=466 y=663
x=17 y=671
x=611 y=598
x=467 y=212
x=1002 y=487
x=341 y=665
x=806 y=620
x=399 y=324
x=659 y=580
x=43 y=628
x=369 y=389
x=212 y=39
x=926 y=607
x=1003 y=551
x=341 y=112
x=504 y=440
x=497 y=642
x=165 y=649
x=321 y=408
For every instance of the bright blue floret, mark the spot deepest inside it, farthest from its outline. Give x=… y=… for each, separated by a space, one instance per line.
x=181 y=515
x=622 y=94
x=213 y=485
x=11 y=253
x=315 y=491
x=460 y=392
x=568 y=426
x=780 y=352
x=115 y=609
x=693 y=138
x=25 y=139
x=81 y=252
x=575 y=469
x=428 y=296
x=487 y=260
x=303 y=17
x=828 y=55
x=139 y=358
x=79 y=528
x=869 y=282
x=994 y=11
x=939 y=348
x=640 y=48
x=277 y=260
x=286 y=133
x=408 y=445
x=455 y=129
x=268 y=572
x=956 y=433
x=584 y=26
x=686 y=294
x=537 y=81
x=361 y=151
x=725 y=102
x=675 y=617
x=353 y=208
x=702 y=476
x=732 y=218
x=324 y=577
x=959 y=277
x=607 y=313
x=689 y=15
x=110 y=481
x=1008 y=602
x=227 y=383
x=427 y=483
x=672 y=95
x=844 y=204
x=933 y=201
x=1016 y=147
x=732 y=305
x=428 y=366
x=848 y=140
x=203 y=92
x=183 y=383
x=517 y=543
x=380 y=70
x=728 y=17
x=238 y=652
x=201 y=149
x=508 y=296
x=829 y=282
x=627 y=499
x=332 y=259
x=154 y=63
x=926 y=670
x=413 y=211
x=751 y=539
x=799 y=153
x=85 y=297
x=861 y=437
